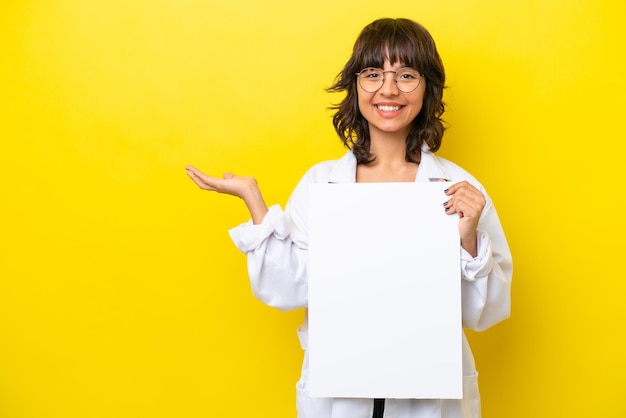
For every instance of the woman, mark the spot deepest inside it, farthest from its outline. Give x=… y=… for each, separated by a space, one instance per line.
x=390 y=120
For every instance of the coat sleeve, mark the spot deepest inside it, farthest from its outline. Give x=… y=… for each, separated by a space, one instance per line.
x=276 y=252
x=486 y=282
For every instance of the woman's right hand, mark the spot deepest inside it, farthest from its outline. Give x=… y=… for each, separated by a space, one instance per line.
x=230 y=184
x=244 y=187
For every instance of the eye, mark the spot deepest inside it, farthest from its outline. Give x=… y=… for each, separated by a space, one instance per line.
x=409 y=74
x=371 y=73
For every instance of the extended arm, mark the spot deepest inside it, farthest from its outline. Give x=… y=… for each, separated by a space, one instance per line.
x=272 y=240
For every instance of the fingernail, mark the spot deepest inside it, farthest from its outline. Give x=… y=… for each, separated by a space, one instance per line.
x=447 y=209
x=445 y=203
x=446 y=191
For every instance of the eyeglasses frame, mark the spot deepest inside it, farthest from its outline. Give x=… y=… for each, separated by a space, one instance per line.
x=395 y=78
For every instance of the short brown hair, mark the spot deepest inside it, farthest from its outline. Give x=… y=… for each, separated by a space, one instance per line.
x=406 y=42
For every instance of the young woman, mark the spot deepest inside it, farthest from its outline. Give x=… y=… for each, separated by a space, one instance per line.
x=390 y=120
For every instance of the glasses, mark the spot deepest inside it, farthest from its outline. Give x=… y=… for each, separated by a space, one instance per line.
x=372 y=79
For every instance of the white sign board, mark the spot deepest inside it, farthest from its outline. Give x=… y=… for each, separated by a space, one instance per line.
x=384 y=292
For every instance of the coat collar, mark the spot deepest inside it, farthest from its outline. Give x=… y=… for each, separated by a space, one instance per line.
x=430 y=168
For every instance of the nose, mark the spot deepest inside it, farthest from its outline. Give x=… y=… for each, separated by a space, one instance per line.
x=389 y=86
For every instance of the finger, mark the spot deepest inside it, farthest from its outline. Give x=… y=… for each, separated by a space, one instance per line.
x=198 y=181
x=454 y=187
x=462 y=206
x=203 y=181
x=471 y=193
x=449 y=206
x=466 y=190
x=461 y=187
x=469 y=200
x=468 y=208
x=193 y=169
x=194 y=173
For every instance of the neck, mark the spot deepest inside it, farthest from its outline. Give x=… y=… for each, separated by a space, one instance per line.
x=388 y=148
x=390 y=164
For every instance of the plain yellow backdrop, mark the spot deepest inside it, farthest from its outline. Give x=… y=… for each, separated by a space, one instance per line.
x=121 y=294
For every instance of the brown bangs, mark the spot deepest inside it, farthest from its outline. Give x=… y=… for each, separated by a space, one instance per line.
x=389 y=39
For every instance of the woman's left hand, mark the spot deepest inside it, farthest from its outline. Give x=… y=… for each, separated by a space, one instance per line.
x=468 y=202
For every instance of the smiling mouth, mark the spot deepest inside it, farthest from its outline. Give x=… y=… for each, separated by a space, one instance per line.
x=384 y=108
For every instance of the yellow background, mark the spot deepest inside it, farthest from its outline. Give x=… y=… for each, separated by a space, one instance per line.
x=121 y=294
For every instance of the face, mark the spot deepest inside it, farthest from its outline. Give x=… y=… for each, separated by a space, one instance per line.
x=389 y=110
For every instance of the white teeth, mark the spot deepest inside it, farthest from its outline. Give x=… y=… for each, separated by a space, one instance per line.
x=389 y=108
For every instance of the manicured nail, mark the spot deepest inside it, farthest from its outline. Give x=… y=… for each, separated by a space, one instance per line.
x=445 y=203
x=446 y=191
x=447 y=209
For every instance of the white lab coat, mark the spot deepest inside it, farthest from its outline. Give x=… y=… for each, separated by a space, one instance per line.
x=277 y=264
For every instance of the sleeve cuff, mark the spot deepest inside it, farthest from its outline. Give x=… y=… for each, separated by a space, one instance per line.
x=248 y=237
x=474 y=268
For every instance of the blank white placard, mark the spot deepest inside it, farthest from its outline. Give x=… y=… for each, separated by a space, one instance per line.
x=384 y=292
